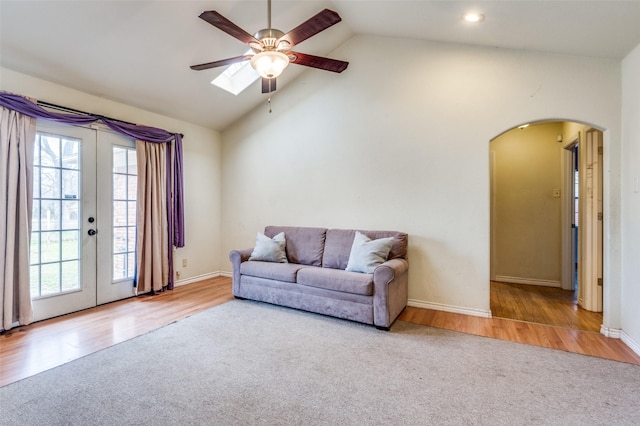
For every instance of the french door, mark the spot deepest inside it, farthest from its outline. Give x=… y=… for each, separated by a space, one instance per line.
x=118 y=187
x=83 y=219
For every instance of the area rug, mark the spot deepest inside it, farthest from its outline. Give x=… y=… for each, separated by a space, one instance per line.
x=246 y=363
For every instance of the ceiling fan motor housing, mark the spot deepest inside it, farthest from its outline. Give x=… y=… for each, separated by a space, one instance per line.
x=269 y=41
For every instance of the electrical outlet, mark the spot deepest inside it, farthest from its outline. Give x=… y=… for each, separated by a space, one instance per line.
x=556 y=193
x=177 y=274
x=184 y=263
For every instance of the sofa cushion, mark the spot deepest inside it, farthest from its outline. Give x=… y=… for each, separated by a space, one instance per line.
x=270 y=249
x=367 y=254
x=274 y=271
x=304 y=245
x=339 y=241
x=333 y=279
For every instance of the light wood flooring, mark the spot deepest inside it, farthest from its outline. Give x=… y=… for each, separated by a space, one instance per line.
x=25 y=351
x=542 y=305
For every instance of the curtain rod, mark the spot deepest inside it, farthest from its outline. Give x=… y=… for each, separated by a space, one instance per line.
x=77 y=111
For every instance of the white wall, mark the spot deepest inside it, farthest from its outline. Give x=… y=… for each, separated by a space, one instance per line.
x=202 y=176
x=631 y=198
x=527 y=222
x=400 y=141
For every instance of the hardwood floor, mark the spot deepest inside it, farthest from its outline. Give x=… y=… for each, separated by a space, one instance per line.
x=25 y=351
x=542 y=305
x=566 y=339
x=534 y=315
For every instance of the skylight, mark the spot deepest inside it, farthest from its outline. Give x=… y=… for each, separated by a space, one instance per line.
x=236 y=77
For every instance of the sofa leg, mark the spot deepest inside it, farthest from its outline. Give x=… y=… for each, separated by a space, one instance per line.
x=379 y=327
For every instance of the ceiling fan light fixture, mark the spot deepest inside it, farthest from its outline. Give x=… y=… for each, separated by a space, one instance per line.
x=473 y=17
x=270 y=63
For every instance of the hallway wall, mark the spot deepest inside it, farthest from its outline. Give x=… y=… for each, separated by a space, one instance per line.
x=526 y=215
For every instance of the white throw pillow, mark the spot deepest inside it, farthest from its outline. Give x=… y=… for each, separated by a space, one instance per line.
x=270 y=249
x=366 y=254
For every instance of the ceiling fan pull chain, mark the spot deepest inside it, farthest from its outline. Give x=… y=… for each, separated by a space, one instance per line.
x=269 y=103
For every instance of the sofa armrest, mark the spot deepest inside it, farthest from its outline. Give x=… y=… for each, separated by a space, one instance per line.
x=390 y=293
x=390 y=269
x=237 y=257
x=240 y=256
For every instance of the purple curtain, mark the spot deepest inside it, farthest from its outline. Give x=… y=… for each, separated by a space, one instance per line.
x=175 y=187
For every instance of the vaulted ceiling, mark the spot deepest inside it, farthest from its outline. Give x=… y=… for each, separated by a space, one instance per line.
x=139 y=52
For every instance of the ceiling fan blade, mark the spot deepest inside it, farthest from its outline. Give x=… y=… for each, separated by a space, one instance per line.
x=268 y=85
x=219 y=21
x=220 y=63
x=311 y=27
x=327 y=64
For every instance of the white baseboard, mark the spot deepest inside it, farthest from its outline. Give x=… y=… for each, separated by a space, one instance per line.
x=226 y=274
x=627 y=340
x=197 y=278
x=614 y=333
x=449 y=308
x=528 y=281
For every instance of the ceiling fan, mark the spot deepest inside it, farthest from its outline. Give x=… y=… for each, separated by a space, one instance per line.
x=271 y=47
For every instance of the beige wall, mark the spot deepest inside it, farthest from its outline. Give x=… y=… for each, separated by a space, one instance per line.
x=201 y=149
x=401 y=141
x=631 y=198
x=571 y=131
x=526 y=217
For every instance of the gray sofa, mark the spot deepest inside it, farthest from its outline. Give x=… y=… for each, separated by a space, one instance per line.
x=314 y=278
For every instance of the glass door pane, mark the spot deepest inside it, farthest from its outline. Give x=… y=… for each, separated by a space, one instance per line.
x=55 y=250
x=125 y=190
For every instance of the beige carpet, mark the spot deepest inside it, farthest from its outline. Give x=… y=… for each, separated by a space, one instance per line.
x=245 y=363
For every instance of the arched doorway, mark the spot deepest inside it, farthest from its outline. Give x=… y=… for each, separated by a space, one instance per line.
x=546 y=224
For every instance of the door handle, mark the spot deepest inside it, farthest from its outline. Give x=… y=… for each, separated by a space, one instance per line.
x=92 y=232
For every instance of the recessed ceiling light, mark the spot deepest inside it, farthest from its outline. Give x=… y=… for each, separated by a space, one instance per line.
x=474 y=17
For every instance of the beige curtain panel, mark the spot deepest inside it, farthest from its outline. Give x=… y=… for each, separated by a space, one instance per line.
x=153 y=251
x=17 y=136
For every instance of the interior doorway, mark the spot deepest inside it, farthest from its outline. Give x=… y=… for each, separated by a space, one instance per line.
x=546 y=224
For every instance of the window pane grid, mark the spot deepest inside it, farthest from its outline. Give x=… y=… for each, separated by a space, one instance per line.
x=124 y=212
x=55 y=237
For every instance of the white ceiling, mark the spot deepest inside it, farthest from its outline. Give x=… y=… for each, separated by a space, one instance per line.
x=139 y=52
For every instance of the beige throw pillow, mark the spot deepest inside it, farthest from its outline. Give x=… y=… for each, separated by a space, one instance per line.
x=270 y=249
x=366 y=254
